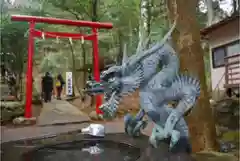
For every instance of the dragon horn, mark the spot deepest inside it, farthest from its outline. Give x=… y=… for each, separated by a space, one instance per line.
x=139 y=57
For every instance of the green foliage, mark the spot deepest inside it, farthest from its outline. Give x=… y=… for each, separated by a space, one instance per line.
x=124 y=14
x=202 y=18
x=14 y=42
x=13 y=39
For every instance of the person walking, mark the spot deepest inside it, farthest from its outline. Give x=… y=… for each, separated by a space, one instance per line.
x=3 y=72
x=59 y=86
x=47 y=87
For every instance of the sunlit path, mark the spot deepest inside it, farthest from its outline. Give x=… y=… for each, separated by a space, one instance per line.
x=60 y=112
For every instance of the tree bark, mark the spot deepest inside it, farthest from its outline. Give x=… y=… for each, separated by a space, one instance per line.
x=186 y=39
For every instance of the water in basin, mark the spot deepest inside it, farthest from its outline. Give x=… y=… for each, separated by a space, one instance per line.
x=86 y=150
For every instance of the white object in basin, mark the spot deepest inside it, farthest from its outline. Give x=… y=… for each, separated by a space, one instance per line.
x=94 y=130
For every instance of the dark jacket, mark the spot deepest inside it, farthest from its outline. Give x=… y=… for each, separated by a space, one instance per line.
x=47 y=83
x=3 y=70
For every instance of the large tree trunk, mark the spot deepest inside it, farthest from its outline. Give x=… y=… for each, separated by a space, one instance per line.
x=186 y=38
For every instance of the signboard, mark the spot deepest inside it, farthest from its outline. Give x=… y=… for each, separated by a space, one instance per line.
x=69 y=86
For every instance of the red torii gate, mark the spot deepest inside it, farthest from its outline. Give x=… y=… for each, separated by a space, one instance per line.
x=36 y=33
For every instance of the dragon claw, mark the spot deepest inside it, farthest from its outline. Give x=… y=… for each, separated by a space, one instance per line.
x=167 y=132
x=153 y=141
x=108 y=112
x=127 y=120
x=132 y=126
x=140 y=125
x=170 y=124
x=174 y=138
x=158 y=134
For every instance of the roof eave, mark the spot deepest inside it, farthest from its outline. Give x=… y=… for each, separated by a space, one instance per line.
x=211 y=28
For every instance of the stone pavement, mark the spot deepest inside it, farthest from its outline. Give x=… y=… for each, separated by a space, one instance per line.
x=15 y=134
x=60 y=112
x=32 y=132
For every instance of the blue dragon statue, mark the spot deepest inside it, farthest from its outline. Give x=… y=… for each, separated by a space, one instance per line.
x=155 y=73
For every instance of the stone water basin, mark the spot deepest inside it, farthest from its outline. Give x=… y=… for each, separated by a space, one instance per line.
x=78 y=147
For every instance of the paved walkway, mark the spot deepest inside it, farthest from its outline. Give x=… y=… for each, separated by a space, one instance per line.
x=60 y=112
x=15 y=134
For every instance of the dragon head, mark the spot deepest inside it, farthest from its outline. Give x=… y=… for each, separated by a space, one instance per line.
x=114 y=71
x=109 y=82
x=110 y=79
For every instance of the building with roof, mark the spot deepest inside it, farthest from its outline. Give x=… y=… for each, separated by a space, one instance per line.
x=224 y=42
